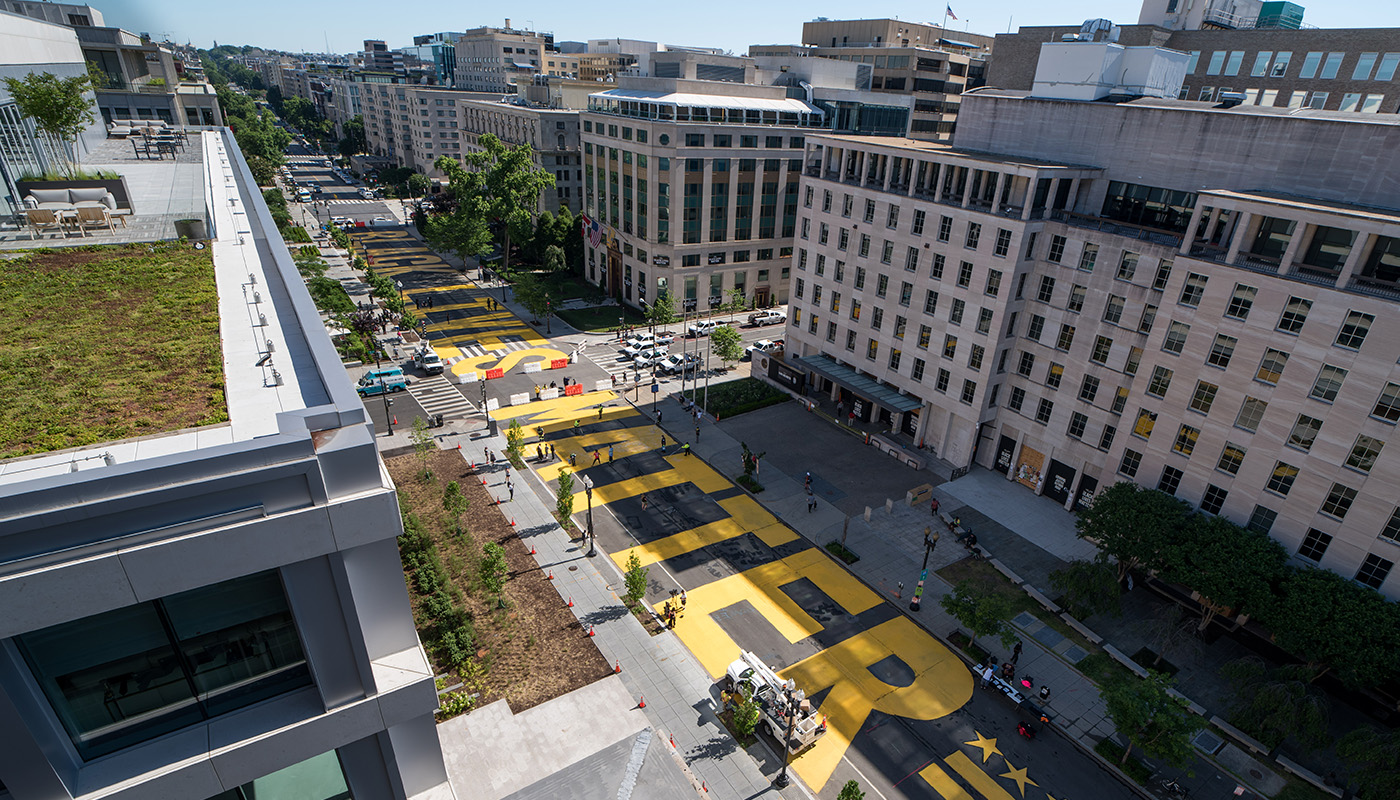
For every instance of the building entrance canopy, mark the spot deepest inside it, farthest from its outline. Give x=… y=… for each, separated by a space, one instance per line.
x=860 y=384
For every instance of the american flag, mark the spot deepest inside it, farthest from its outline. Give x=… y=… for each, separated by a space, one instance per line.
x=592 y=231
x=949 y=11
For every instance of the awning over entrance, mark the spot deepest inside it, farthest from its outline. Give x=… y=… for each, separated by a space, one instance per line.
x=884 y=395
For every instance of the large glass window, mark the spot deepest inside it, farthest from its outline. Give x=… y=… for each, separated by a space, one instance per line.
x=1329 y=249
x=316 y=778
x=125 y=676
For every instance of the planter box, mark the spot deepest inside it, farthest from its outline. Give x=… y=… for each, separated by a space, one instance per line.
x=117 y=186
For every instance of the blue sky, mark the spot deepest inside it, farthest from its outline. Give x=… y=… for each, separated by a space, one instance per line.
x=305 y=25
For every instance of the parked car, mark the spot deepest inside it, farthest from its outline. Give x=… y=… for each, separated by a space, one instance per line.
x=366 y=194
x=760 y=346
x=381 y=222
x=702 y=328
x=638 y=340
x=769 y=317
x=428 y=360
x=643 y=357
x=633 y=350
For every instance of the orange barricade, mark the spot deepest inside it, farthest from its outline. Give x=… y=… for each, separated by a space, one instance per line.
x=495 y=373
x=573 y=388
x=559 y=363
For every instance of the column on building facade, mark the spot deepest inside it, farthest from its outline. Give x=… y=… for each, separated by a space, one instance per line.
x=967 y=187
x=1028 y=196
x=1302 y=231
x=1351 y=268
x=1201 y=216
x=1071 y=202
x=1243 y=221
x=995 y=193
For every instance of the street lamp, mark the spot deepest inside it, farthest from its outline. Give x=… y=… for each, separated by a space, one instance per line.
x=486 y=412
x=388 y=418
x=781 y=781
x=588 y=492
x=929 y=544
x=403 y=297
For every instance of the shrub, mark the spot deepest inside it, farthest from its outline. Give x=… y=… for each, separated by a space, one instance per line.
x=736 y=397
x=635 y=578
x=746 y=713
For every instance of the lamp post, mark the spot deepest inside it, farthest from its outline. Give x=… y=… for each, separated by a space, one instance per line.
x=486 y=412
x=402 y=297
x=782 y=781
x=588 y=492
x=930 y=542
x=388 y=417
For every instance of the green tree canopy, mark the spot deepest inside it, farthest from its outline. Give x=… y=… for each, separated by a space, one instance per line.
x=59 y=107
x=354 y=141
x=1231 y=567
x=1151 y=719
x=1136 y=526
x=1335 y=625
x=982 y=613
x=1275 y=704
x=1374 y=756
x=464 y=231
x=1089 y=588
x=726 y=344
x=419 y=184
x=509 y=182
x=662 y=312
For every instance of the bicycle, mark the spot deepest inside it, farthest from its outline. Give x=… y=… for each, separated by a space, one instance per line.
x=1174 y=789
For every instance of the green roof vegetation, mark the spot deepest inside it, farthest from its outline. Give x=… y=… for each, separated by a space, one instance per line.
x=107 y=343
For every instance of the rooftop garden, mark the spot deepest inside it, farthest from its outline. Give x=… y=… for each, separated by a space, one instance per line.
x=107 y=343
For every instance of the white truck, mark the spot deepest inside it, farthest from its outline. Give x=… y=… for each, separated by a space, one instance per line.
x=779 y=701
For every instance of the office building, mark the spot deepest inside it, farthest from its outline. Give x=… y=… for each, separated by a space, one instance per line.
x=74 y=15
x=143 y=79
x=496 y=59
x=1267 y=63
x=438 y=51
x=212 y=607
x=378 y=56
x=1077 y=292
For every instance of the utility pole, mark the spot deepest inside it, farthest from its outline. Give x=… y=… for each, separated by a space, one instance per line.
x=588 y=490
x=782 y=781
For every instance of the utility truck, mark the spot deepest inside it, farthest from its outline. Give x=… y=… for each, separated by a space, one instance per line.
x=779 y=702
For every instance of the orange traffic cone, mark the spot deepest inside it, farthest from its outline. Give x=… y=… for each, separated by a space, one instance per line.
x=396 y=419
x=703 y=786
x=532 y=550
x=550 y=576
x=642 y=703
x=617 y=670
x=512 y=522
x=673 y=741
x=571 y=601
x=590 y=631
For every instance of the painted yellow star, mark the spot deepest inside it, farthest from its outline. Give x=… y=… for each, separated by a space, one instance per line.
x=1018 y=775
x=988 y=746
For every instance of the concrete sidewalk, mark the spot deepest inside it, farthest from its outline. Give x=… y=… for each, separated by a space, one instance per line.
x=681 y=700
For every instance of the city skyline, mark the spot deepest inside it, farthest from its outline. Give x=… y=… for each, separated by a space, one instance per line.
x=341 y=28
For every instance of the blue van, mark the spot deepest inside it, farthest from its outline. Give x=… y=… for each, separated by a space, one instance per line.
x=381 y=380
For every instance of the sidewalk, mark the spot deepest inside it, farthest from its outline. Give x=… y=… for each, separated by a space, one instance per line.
x=1032 y=531
x=681 y=700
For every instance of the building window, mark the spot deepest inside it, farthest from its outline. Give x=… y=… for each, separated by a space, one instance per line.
x=1338 y=501
x=1035 y=328
x=1089 y=389
x=1388 y=404
x=1026 y=365
x=917 y=228
x=974 y=235
x=1374 y=571
x=993 y=283
x=1364 y=453
x=1241 y=301
x=1066 y=339
x=1203 y=397
x=1186 y=437
x=882 y=285
x=950 y=346
x=969 y=392
x=1055 y=375
x=945 y=228
x=1222 y=350
x=1128 y=466
x=1251 y=412
x=1043 y=411
x=1164 y=274
x=1329 y=383
x=974 y=360
x=965 y=274
x=1127 y=266
x=1102 y=347
x=1170 y=480
x=872 y=349
x=1077 y=423
x=1262 y=520
x=1087 y=257
x=1003 y=243
x=917 y=373
x=1214 y=499
x=1304 y=432
x=1271 y=366
x=1295 y=313
x=984 y=320
x=1057 y=250
x=1106 y=438
x=1146 y=421
x=1193 y=290
x=895 y=356
x=935 y=269
x=877 y=318
x=1161 y=381
x=930 y=302
x=1391 y=531
x=1076 y=299
x=1230 y=458
x=941 y=383
x=1354 y=330
x=1175 y=340
x=1314 y=545
x=892 y=217
x=955 y=316
x=869 y=211
x=1281 y=479
x=851 y=340
x=1130 y=366
x=1047 y=289
x=128 y=675
x=1113 y=310
x=1149 y=316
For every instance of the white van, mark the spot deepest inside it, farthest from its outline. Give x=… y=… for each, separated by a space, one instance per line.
x=382 y=380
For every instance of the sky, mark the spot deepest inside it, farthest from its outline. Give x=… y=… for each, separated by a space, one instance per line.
x=308 y=25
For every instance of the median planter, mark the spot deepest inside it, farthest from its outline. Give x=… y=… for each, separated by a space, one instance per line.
x=117 y=186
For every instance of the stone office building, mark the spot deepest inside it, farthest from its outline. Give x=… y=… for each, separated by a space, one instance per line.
x=1077 y=293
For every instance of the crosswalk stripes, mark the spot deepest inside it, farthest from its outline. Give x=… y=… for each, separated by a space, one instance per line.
x=437 y=395
x=474 y=350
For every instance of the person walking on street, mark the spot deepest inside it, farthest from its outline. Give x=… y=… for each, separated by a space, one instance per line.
x=645 y=500
x=686 y=448
x=933 y=508
x=697 y=433
x=510 y=487
x=490 y=458
x=597 y=456
x=811 y=502
x=551 y=453
x=600 y=412
x=808 y=483
x=987 y=674
x=663 y=442
x=851 y=420
x=1016 y=653
x=575 y=426
x=610 y=454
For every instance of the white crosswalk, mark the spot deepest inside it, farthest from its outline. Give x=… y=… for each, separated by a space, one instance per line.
x=437 y=395
x=474 y=350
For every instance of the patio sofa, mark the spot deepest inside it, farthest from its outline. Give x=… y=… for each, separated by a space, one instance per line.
x=65 y=199
x=122 y=128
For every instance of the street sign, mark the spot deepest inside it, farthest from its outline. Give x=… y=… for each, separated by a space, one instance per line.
x=655 y=387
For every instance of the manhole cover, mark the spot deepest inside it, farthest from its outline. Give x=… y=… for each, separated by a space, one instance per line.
x=573 y=569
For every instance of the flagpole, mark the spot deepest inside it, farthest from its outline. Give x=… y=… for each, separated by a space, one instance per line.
x=943 y=29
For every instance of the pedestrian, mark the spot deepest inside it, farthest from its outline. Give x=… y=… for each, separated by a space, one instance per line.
x=551 y=454
x=851 y=420
x=987 y=673
x=808 y=484
x=573 y=458
x=575 y=426
x=1044 y=694
x=539 y=453
x=663 y=441
x=697 y=434
x=490 y=458
x=1008 y=671
x=597 y=456
x=430 y=301
x=933 y=507
x=682 y=598
x=840 y=408
x=686 y=448
x=811 y=503
x=645 y=500
x=614 y=380
x=600 y=412
x=1016 y=652
x=658 y=416
x=510 y=487
x=610 y=454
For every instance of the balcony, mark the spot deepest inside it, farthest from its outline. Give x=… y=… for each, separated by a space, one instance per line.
x=1154 y=235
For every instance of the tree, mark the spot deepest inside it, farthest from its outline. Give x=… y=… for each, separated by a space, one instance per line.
x=1088 y=588
x=534 y=242
x=455 y=504
x=1374 y=756
x=568 y=235
x=663 y=311
x=493 y=568
x=1273 y=704
x=354 y=141
x=1231 y=567
x=635 y=578
x=554 y=259
x=418 y=184
x=1151 y=719
x=465 y=231
x=564 y=496
x=736 y=302
x=851 y=791
x=725 y=343
x=1172 y=629
x=500 y=185
x=982 y=613
x=1335 y=625
x=59 y=107
x=423 y=447
x=531 y=293
x=515 y=437
x=746 y=712
x=264 y=171
x=1136 y=526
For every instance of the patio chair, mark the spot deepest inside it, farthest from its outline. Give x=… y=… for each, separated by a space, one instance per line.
x=42 y=219
x=94 y=217
x=144 y=148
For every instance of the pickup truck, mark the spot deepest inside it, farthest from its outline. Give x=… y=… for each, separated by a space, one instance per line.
x=702 y=328
x=761 y=346
x=778 y=700
x=428 y=360
x=769 y=317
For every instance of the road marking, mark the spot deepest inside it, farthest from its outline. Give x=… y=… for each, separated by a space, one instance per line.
x=943 y=783
x=981 y=781
x=437 y=395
